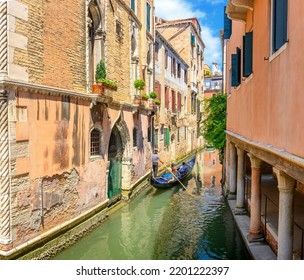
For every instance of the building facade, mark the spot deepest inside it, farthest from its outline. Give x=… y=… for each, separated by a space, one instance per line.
x=171 y=73
x=264 y=129
x=185 y=36
x=64 y=148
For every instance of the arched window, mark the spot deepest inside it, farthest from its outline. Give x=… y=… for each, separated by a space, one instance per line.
x=95 y=148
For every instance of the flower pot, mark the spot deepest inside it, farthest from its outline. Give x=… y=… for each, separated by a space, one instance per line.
x=97 y=89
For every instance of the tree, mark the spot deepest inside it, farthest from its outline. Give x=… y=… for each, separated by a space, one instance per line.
x=214 y=122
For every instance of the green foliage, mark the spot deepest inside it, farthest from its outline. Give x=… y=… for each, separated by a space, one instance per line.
x=108 y=82
x=214 y=122
x=144 y=96
x=156 y=101
x=153 y=94
x=100 y=71
x=139 y=84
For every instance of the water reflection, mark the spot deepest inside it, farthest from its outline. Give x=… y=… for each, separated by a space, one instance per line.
x=168 y=224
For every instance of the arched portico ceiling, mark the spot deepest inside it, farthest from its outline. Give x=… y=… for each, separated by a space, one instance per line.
x=237 y=9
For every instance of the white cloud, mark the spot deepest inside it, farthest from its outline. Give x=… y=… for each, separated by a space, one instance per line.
x=179 y=9
x=213 y=51
x=176 y=9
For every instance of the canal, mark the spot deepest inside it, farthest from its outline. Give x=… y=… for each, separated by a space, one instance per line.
x=172 y=224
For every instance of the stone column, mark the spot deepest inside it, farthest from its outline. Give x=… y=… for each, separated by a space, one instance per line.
x=232 y=171
x=255 y=209
x=5 y=235
x=3 y=39
x=240 y=193
x=286 y=187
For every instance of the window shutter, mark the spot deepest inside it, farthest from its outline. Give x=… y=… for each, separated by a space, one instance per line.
x=167 y=137
x=235 y=69
x=227 y=26
x=279 y=23
x=192 y=40
x=247 y=54
x=133 y=5
x=148 y=16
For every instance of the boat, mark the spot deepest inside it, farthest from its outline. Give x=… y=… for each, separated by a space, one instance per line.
x=165 y=180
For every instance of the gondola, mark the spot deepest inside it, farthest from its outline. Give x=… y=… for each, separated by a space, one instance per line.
x=162 y=182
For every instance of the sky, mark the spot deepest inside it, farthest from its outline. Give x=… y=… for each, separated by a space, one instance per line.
x=210 y=16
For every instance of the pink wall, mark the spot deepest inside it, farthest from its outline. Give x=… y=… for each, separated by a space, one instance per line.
x=267 y=107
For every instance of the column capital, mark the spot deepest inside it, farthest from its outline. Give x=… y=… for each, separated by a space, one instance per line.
x=240 y=151
x=255 y=162
x=285 y=182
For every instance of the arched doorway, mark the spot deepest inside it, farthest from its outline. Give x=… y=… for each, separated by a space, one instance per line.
x=119 y=159
x=115 y=154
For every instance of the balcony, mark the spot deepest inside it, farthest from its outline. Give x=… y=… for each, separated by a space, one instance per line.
x=237 y=9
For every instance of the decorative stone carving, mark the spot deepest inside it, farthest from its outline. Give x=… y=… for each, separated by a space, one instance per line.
x=4 y=171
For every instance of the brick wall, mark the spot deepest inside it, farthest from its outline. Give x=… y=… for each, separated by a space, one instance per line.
x=55 y=54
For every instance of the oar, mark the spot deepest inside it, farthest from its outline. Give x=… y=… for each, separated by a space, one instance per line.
x=178 y=180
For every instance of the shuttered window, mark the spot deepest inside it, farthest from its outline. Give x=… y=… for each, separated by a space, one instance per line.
x=167 y=137
x=148 y=17
x=247 y=54
x=279 y=25
x=227 y=26
x=192 y=40
x=235 y=68
x=133 y=5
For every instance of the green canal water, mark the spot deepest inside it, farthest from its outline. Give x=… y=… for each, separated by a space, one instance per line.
x=167 y=225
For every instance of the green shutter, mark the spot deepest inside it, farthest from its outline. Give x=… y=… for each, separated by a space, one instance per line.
x=279 y=23
x=227 y=26
x=247 y=54
x=133 y=5
x=167 y=137
x=148 y=17
x=114 y=179
x=192 y=40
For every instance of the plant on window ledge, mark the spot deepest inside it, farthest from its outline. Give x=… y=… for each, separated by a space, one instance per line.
x=139 y=84
x=101 y=80
x=153 y=95
x=144 y=96
x=156 y=101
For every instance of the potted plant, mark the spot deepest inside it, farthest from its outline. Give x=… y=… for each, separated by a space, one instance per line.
x=144 y=96
x=156 y=101
x=139 y=84
x=153 y=95
x=101 y=80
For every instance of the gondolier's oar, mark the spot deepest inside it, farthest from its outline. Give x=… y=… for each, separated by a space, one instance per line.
x=178 y=180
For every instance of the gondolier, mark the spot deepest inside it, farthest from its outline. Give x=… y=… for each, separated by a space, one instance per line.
x=155 y=159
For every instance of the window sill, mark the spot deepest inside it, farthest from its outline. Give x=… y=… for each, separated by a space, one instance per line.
x=278 y=52
x=97 y=157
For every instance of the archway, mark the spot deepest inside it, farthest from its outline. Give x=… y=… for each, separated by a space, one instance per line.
x=119 y=159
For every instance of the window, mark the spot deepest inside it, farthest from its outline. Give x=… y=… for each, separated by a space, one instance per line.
x=119 y=29
x=149 y=131
x=167 y=137
x=133 y=5
x=173 y=104
x=156 y=51
x=134 y=137
x=247 y=54
x=178 y=70
x=185 y=76
x=167 y=97
x=179 y=102
x=236 y=68
x=192 y=40
x=95 y=142
x=173 y=69
x=279 y=23
x=166 y=59
x=148 y=18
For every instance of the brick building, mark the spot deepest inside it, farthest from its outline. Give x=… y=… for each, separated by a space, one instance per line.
x=64 y=148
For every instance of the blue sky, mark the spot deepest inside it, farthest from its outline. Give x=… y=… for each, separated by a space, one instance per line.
x=210 y=16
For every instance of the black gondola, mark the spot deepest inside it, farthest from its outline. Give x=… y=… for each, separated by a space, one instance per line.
x=162 y=182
